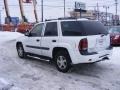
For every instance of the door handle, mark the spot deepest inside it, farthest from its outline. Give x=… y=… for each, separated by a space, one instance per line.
x=37 y=40
x=53 y=40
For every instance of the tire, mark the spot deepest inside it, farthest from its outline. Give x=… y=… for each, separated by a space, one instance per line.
x=20 y=51
x=62 y=61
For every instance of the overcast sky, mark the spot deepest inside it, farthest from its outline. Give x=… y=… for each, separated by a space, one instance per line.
x=50 y=9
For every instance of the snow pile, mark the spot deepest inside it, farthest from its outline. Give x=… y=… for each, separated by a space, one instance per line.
x=9 y=36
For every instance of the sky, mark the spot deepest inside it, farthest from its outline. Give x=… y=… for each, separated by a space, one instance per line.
x=54 y=8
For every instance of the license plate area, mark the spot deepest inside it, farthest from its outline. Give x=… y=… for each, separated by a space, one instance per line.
x=100 y=43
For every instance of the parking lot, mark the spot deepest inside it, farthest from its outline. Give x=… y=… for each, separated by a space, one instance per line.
x=33 y=74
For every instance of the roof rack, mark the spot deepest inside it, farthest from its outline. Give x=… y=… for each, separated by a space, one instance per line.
x=64 y=18
x=50 y=19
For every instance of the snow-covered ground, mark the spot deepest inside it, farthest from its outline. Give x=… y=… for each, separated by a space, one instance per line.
x=32 y=74
x=8 y=36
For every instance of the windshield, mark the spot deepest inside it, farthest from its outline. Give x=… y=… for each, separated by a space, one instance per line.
x=82 y=28
x=114 y=30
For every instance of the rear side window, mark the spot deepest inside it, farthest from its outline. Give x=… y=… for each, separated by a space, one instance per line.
x=51 y=29
x=82 y=28
x=72 y=28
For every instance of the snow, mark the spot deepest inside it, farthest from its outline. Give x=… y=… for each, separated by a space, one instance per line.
x=34 y=74
x=8 y=36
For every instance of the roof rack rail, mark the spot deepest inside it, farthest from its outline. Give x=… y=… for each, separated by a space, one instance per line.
x=50 y=19
x=64 y=18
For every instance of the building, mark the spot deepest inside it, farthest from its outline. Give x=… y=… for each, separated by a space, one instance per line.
x=88 y=14
x=105 y=18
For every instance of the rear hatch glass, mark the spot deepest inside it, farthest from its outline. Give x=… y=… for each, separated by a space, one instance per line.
x=82 y=28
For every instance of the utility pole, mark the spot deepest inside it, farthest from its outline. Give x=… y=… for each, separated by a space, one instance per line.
x=42 y=10
x=98 y=15
x=116 y=4
x=0 y=17
x=106 y=8
x=0 y=21
x=64 y=8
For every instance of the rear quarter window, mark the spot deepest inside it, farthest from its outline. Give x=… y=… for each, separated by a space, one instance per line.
x=72 y=28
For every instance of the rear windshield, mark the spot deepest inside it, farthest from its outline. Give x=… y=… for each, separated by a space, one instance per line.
x=82 y=28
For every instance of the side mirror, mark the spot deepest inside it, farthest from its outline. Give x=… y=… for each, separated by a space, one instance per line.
x=27 y=33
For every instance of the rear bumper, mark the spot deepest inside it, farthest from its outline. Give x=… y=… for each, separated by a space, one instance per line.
x=103 y=55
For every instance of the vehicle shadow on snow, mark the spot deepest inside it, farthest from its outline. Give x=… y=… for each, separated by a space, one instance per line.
x=115 y=46
x=93 y=70
x=37 y=63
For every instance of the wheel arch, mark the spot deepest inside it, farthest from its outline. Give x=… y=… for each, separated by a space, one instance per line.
x=56 y=49
x=17 y=43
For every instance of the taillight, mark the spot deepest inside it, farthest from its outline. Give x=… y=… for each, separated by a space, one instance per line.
x=83 y=44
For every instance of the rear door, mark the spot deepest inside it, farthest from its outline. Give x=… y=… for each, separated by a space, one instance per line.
x=49 y=39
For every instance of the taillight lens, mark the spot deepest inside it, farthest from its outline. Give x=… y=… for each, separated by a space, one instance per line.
x=83 y=45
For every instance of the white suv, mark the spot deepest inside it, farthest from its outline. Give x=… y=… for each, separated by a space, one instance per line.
x=66 y=42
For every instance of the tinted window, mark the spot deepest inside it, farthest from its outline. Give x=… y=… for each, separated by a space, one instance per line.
x=51 y=29
x=72 y=28
x=37 y=30
x=82 y=28
x=94 y=28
